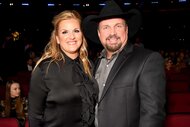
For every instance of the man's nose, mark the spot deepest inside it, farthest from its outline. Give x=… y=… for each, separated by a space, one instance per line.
x=113 y=31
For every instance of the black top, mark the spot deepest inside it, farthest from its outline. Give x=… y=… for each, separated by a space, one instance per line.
x=61 y=95
x=13 y=108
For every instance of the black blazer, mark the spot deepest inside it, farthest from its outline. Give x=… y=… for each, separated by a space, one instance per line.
x=134 y=94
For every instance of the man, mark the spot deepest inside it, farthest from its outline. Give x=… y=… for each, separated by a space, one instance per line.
x=131 y=79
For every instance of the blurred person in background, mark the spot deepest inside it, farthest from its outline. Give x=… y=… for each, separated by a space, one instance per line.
x=14 y=105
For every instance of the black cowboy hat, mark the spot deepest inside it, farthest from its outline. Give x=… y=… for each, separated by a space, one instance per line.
x=111 y=10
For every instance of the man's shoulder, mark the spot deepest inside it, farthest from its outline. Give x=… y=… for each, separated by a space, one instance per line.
x=144 y=52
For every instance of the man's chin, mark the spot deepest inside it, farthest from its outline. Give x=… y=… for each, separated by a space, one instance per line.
x=113 y=48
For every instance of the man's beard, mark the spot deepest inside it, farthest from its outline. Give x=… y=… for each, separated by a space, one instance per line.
x=113 y=48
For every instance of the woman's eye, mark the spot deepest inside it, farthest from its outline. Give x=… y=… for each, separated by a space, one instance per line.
x=76 y=31
x=64 y=32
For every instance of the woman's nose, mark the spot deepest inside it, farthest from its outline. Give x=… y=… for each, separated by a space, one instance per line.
x=71 y=35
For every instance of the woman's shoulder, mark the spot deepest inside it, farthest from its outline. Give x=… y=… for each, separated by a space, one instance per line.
x=45 y=63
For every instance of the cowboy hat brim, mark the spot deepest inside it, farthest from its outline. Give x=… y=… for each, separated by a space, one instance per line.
x=90 y=24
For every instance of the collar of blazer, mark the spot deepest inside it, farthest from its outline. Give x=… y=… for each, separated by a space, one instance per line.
x=123 y=56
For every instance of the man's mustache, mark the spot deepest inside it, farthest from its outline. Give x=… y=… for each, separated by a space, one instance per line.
x=112 y=36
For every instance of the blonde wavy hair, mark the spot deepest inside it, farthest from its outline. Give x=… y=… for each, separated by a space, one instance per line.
x=52 y=49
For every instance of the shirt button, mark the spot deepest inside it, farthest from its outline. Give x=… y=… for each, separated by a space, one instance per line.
x=104 y=84
x=107 y=65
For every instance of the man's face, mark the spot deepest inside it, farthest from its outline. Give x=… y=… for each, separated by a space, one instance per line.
x=113 y=34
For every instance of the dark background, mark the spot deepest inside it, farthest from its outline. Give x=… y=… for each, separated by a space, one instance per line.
x=166 y=23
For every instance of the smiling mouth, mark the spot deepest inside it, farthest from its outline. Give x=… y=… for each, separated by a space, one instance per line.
x=112 y=40
x=72 y=42
x=112 y=37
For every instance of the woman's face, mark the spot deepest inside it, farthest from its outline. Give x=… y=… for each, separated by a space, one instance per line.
x=70 y=37
x=15 y=90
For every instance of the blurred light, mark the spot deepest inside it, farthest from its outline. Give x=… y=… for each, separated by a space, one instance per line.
x=76 y=5
x=154 y=2
x=182 y=1
x=87 y=5
x=51 y=4
x=126 y=4
x=11 y=4
x=25 y=4
x=102 y=4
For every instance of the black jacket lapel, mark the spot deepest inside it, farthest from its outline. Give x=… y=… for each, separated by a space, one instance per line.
x=123 y=56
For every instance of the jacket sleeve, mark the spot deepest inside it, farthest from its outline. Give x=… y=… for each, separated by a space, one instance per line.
x=37 y=96
x=152 y=92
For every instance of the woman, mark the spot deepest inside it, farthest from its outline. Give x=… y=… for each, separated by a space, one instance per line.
x=62 y=91
x=14 y=105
